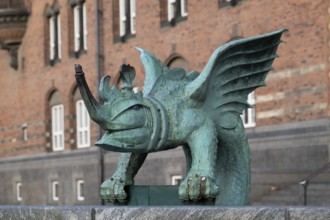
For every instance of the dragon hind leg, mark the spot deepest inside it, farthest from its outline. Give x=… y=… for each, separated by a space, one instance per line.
x=233 y=167
x=200 y=181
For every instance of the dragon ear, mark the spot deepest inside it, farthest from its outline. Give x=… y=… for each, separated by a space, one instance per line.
x=153 y=67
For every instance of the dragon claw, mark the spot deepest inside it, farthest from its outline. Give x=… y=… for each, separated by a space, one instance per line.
x=196 y=187
x=113 y=190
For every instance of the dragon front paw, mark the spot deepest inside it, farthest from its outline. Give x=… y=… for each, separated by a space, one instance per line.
x=112 y=189
x=197 y=186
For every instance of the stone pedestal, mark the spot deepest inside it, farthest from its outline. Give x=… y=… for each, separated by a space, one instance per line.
x=150 y=213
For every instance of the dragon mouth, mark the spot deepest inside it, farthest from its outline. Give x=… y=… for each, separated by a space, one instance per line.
x=124 y=140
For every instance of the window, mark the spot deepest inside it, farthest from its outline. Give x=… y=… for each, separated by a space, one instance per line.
x=55 y=122
x=248 y=115
x=176 y=61
x=54 y=38
x=18 y=191
x=55 y=194
x=225 y=3
x=184 y=8
x=57 y=127
x=54 y=32
x=80 y=27
x=124 y=19
x=176 y=179
x=83 y=125
x=25 y=133
x=173 y=11
x=80 y=190
x=176 y=9
x=127 y=18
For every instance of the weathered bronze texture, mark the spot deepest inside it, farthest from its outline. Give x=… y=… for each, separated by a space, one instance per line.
x=200 y=112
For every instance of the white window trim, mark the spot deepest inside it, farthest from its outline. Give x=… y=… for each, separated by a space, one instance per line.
x=52 y=33
x=122 y=17
x=133 y=16
x=85 y=24
x=55 y=191
x=76 y=21
x=59 y=43
x=77 y=26
x=175 y=178
x=51 y=21
x=58 y=127
x=25 y=131
x=83 y=125
x=170 y=11
x=80 y=190
x=184 y=11
x=250 y=112
x=25 y=134
x=18 y=191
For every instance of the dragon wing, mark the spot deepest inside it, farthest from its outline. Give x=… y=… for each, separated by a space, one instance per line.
x=233 y=71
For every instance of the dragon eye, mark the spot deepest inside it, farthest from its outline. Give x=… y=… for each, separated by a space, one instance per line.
x=135 y=107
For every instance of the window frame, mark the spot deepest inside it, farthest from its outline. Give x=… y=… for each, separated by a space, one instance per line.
x=55 y=190
x=177 y=10
x=82 y=125
x=25 y=132
x=19 y=197
x=57 y=115
x=184 y=8
x=80 y=185
x=127 y=19
x=175 y=178
x=249 y=115
x=173 y=14
x=170 y=13
x=133 y=16
x=80 y=30
x=55 y=41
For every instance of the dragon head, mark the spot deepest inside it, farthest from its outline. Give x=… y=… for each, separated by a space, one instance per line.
x=123 y=114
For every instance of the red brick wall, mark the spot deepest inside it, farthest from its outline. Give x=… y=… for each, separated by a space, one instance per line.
x=297 y=89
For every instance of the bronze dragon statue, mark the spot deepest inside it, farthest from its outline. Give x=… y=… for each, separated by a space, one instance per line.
x=200 y=112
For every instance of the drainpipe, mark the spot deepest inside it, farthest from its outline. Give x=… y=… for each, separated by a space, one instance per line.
x=99 y=65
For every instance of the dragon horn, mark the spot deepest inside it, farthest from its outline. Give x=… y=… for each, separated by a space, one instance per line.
x=93 y=107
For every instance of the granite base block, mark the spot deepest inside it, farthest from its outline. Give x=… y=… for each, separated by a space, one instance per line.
x=159 y=213
x=189 y=213
x=46 y=212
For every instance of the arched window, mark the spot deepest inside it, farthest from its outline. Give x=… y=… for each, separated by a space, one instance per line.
x=82 y=121
x=176 y=61
x=57 y=121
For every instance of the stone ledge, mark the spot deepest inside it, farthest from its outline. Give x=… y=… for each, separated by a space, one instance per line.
x=178 y=212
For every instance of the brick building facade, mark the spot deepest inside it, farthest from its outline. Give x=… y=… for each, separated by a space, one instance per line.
x=289 y=133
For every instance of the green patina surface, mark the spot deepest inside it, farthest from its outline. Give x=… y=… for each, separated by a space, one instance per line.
x=200 y=112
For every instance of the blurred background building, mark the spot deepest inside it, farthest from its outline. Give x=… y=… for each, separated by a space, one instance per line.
x=46 y=138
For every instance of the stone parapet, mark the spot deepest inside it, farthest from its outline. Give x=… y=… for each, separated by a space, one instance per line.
x=178 y=212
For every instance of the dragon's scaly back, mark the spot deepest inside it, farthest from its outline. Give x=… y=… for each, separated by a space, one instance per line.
x=153 y=67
